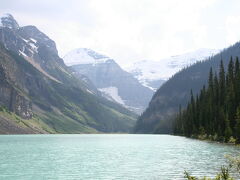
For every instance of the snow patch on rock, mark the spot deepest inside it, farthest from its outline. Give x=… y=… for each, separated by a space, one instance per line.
x=33 y=40
x=90 y=91
x=22 y=53
x=113 y=93
x=35 y=48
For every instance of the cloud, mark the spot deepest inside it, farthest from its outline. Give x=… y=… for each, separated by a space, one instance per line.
x=132 y=30
x=232 y=29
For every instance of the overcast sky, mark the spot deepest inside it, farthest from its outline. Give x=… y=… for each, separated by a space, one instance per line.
x=130 y=30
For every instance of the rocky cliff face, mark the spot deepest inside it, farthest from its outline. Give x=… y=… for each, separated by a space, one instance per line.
x=110 y=78
x=33 y=45
x=10 y=97
x=16 y=103
x=36 y=84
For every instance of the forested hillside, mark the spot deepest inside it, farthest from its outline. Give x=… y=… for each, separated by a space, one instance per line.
x=215 y=111
x=158 y=117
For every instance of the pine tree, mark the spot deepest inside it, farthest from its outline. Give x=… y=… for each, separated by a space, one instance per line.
x=236 y=71
x=231 y=70
x=231 y=107
x=228 y=130
x=221 y=126
x=216 y=110
x=237 y=126
x=222 y=84
x=216 y=104
x=210 y=104
x=237 y=84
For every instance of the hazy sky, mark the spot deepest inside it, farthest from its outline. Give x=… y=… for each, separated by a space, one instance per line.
x=130 y=30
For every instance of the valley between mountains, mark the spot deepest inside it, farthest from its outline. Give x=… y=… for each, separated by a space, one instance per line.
x=89 y=92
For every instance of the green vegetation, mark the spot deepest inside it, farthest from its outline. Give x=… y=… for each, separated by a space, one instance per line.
x=35 y=124
x=58 y=107
x=233 y=167
x=223 y=175
x=158 y=117
x=215 y=112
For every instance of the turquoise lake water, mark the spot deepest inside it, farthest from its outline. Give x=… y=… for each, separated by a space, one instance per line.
x=105 y=157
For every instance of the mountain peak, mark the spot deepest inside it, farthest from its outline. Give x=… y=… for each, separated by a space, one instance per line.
x=85 y=56
x=7 y=20
x=152 y=73
x=94 y=54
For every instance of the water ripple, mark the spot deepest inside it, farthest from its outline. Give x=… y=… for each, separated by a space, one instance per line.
x=108 y=157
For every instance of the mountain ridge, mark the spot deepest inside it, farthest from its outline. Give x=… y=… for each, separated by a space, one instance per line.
x=153 y=74
x=110 y=78
x=38 y=91
x=176 y=91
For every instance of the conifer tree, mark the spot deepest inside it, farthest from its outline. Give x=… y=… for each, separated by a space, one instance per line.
x=237 y=126
x=228 y=130
x=237 y=84
x=216 y=110
x=222 y=82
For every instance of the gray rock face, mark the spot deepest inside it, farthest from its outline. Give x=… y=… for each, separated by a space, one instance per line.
x=38 y=38
x=35 y=80
x=107 y=75
x=8 y=21
x=20 y=105
x=38 y=49
x=12 y=99
x=26 y=41
x=33 y=45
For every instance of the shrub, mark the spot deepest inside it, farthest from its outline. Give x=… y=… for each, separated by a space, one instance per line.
x=232 y=140
x=223 y=175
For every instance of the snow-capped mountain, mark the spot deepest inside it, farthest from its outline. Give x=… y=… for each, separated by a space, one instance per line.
x=84 y=56
x=35 y=82
x=153 y=73
x=115 y=83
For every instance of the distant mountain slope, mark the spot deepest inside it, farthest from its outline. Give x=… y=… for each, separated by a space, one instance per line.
x=40 y=94
x=176 y=91
x=110 y=78
x=152 y=74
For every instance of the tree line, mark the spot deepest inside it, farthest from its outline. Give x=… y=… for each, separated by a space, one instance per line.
x=214 y=112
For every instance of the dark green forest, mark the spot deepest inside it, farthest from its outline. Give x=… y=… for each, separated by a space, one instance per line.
x=214 y=113
x=158 y=117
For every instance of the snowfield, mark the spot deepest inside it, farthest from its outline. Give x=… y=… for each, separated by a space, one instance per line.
x=84 y=56
x=113 y=93
x=146 y=71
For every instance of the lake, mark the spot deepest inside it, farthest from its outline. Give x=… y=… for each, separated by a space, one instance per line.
x=105 y=157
